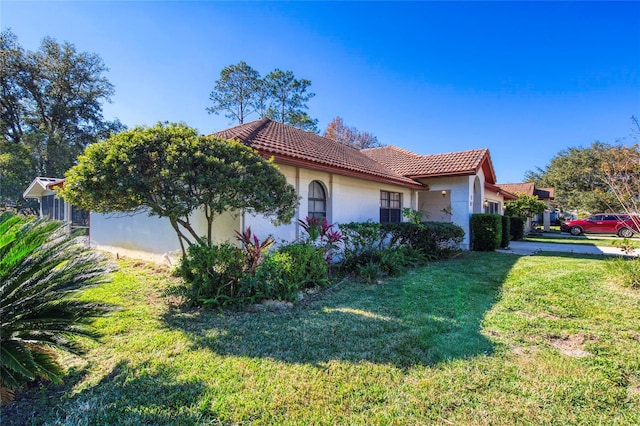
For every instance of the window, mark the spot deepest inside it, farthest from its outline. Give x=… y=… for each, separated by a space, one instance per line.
x=492 y=207
x=390 y=206
x=317 y=200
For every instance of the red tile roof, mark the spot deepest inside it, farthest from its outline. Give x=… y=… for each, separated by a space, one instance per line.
x=529 y=188
x=296 y=147
x=425 y=166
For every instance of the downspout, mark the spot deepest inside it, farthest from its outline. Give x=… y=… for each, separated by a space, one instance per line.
x=297 y=187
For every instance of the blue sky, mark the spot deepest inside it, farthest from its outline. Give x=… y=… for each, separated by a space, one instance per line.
x=522 y=79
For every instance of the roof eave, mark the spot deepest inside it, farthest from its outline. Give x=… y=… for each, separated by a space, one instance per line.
x=298 y=162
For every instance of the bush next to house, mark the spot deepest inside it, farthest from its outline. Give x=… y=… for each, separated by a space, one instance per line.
x=486 y=231
x=227 y=276
x=506 y=232
x=372 y=249
x=516 y=227
x=42 y=267
x=434 y=240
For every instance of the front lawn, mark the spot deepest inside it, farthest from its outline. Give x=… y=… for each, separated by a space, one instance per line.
x=486 y=338
x=601 y=241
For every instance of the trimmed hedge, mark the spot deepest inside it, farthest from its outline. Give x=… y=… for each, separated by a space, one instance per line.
x=517 y=228
x=486 y=231
x=506 y=231
x=434 y=240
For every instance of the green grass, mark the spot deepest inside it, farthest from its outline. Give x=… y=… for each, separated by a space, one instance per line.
x=486 y=338
x=606 y=241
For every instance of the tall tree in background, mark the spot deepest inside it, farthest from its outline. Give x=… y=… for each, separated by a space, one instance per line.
x=289 y=99
x=575 y=175
x=237 y=92
x=338 y=131
x=50 y=110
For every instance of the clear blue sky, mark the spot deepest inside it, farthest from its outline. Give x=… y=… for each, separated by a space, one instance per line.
x=522 y=79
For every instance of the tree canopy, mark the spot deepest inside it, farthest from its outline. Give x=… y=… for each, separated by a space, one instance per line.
x=525 y=206
x=575 y=175
x=241 y=91
x=50 y=110
x=338 y=131
x=171 y=171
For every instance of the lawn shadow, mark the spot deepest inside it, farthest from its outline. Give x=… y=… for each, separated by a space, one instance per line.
x=127 y=395
x=428 y=316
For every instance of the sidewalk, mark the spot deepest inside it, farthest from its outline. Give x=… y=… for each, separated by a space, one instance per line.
x=526 y=248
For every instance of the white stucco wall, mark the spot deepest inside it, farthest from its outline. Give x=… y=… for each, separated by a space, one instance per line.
x=348 y=200
x=460 y=196
x=136 y=234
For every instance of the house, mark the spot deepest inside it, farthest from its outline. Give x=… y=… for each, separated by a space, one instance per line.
x=334 y=181
x=43 y=189
x=545 y=195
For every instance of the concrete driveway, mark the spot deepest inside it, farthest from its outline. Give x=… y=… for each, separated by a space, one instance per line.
x=525 y=248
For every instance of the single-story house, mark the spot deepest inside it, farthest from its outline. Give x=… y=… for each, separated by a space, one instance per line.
x=43 y=189
x=335 y=181
x=546 y=195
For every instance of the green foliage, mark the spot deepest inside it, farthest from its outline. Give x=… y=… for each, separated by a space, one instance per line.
x=486 y=231
x=288 y=270
x=506 y=232
x=434 y=240
x=413 y=216
x=51 y=110
x=323 y=234
x=289 y=99
x=310 y=268
x=516 y=227
x=360 y=237
x=369 y=272
x=224 y=276
x=41 y=268
x=171 y=172
x=525 y=205
x=280 y=96
x=575 y=173
x=236 y=92
x=213 y=275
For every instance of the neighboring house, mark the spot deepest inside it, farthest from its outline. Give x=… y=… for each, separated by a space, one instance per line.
x=54 y=207
x=545 y=195
x=334 y=181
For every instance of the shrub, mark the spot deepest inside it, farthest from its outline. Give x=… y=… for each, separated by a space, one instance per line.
x=361 y=237
x=309 y=268
x=213 y=274
x=434 y=240
x=516 y=227
x=486 y=231
x=276 y=278
x=506 y=232
x=41 y=267
x=369 y=272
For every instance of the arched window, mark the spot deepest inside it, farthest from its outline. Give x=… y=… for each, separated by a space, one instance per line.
x=317 y=200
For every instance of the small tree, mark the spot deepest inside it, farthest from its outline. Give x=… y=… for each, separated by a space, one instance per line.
x=526 y=206
x=171 y=171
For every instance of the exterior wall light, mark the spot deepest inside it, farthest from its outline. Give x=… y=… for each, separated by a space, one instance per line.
x=444 y=192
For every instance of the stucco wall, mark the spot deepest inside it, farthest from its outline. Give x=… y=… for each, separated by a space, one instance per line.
x=460 y=196
x=151 y=234
x=348 y=200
